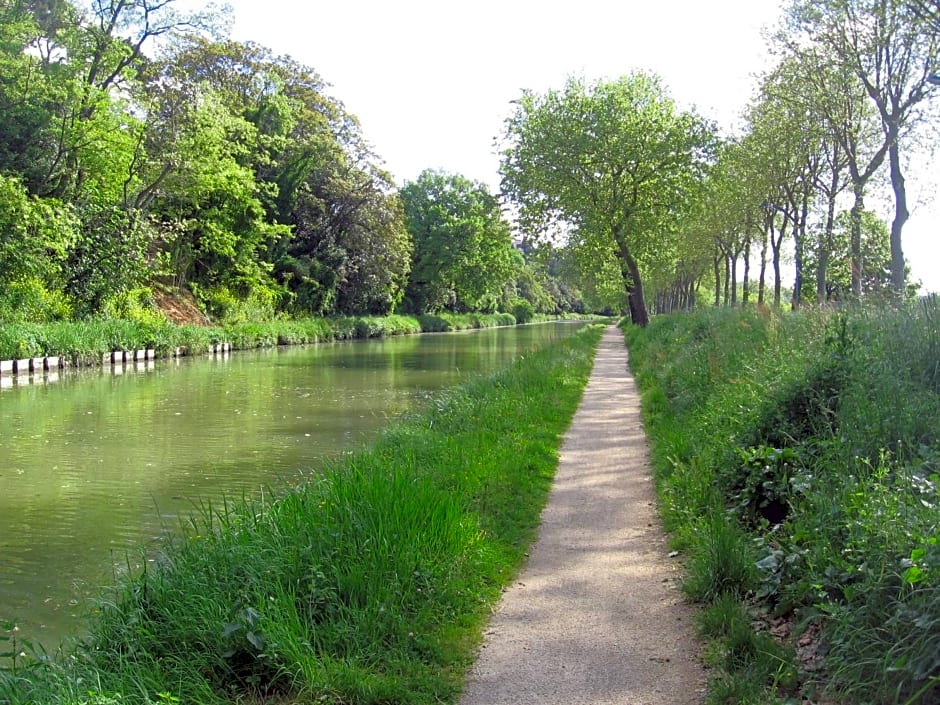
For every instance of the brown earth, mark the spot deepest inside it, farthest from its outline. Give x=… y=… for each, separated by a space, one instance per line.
x=180 y=307
x=596 y=617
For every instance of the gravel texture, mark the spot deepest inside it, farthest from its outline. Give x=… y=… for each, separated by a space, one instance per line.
x=596 y=616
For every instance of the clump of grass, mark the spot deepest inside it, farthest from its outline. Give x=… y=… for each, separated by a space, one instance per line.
x=738 y=649
x=722 y=562
x=369 y=584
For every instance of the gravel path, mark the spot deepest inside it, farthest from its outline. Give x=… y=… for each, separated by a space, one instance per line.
x=596 y=616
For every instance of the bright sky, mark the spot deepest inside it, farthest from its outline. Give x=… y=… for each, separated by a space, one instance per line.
x=431 y=80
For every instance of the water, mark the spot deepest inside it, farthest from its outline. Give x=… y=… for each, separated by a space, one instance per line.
x=98 y=466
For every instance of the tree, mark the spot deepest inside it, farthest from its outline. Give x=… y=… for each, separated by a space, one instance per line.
x=350 y=250
x=463 y=249
x=612 y=164
x=167 y=155
x=884 y=46
x=875 y=270
x=929 y=12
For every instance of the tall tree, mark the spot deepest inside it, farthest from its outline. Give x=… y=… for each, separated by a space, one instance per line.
x=343 y=246
x=884 y=45
x=463 y=249
x=613 y=164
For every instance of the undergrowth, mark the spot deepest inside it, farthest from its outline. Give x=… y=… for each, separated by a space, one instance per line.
x=797 y=459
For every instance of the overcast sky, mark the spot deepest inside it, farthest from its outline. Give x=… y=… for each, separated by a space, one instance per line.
x=431 y=80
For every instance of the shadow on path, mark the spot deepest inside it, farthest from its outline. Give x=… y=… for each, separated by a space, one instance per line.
x=596 y=616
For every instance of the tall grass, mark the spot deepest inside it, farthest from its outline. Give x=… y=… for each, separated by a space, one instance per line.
x=817 y=434
x=85 y=342
x=368 y=584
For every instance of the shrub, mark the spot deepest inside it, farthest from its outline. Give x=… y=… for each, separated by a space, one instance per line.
x=523 y=311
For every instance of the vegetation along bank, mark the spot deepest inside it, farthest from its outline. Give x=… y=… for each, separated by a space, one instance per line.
x=369 y=584
x=796 y=457
x=86 y=342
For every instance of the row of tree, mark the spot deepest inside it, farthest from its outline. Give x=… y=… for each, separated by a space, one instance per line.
x=664 y=203
x=140 y=148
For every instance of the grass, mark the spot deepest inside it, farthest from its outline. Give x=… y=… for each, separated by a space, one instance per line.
x=85 y=342
x=369 y=584
x=797 y=459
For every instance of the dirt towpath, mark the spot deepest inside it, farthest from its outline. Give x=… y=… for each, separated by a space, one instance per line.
x=596 y=616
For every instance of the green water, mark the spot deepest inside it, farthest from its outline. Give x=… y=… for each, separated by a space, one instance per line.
x=96 y=467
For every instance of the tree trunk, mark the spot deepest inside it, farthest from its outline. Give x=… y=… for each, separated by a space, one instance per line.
x=746 y=290
x=825 y=239
x=717 y=264
x=797 y=297
x=762 y=279
x=633 y=283
x=856 y=246
x=799 y=235
x=727 y=289
x=775 y=243
x=825 y=250
x=734 y=279
x=901 y=215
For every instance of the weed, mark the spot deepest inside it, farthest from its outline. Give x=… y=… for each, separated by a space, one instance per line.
x=820 y=432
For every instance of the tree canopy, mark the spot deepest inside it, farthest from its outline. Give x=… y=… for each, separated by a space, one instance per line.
x=612 y=165
x=140 y=149
x=462 y=258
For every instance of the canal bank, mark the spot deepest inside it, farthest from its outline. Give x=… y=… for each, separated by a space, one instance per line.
x=28 y=347
x=99 y=469
x=366 y=584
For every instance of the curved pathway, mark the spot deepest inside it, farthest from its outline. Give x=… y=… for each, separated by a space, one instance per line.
x=596 y=616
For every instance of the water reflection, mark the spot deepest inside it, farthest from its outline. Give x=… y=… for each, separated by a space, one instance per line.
x=103 y=461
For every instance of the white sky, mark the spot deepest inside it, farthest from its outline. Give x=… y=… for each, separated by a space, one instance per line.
x=431 y=80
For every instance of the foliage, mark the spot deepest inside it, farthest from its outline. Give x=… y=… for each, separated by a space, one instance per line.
x=883 y=46
x=141 y=149
x=368 y=584
x=875 y=256
x=817 y=435
x=36 y=236
x=29 y=300
x=462 y=258
x=611 y=165
x=523 y=311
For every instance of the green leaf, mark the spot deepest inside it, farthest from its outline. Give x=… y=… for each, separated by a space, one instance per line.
x=230 y=629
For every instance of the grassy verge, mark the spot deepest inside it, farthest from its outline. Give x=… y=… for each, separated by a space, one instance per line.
x=796 y=458
x=85 y=342
x=369 y=584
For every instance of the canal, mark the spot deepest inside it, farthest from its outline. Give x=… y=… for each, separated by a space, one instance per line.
x=97 y=466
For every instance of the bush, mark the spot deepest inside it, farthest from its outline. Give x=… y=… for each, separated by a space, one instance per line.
x=28 y=300
x=523 y=311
